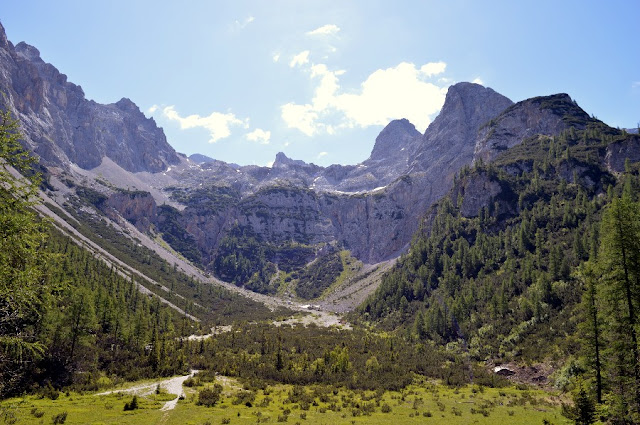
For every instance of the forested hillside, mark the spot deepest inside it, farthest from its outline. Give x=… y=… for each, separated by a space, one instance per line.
x=67 y=318
x=532 y=258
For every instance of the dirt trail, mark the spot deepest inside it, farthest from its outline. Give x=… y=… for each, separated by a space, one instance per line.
x=170 y=385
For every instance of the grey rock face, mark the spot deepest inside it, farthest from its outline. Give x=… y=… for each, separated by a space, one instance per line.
x=62 y=126
x=478 y=193
x=618 y=153
x=393 y=141
x=137 y=207
x=547 y=115
x=282 y=214
x=449 y=140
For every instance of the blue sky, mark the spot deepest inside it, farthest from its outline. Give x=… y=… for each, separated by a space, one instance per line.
x=242 y=80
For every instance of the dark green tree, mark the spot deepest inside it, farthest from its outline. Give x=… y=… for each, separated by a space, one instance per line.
x=619 y=259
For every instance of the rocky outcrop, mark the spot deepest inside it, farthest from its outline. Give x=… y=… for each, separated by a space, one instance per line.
x=546 y=115
x=139 y=208
x=619 y=152
x=478 y=193
x=283 y=214
x=63 y=127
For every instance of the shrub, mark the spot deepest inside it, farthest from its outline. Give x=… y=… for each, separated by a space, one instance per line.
x=50 y=392
x=385 y=408
x=37 y=413
x=132 y=405
x=60 y=418
x=244 y=397
x=209 y=396
x=190 y=382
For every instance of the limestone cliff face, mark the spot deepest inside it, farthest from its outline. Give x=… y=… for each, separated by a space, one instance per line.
x=283 y=214
x=137 y=207
x=63 y=127
x=618 y=153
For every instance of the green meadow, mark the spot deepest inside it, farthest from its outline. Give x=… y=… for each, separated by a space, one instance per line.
x=425 y=402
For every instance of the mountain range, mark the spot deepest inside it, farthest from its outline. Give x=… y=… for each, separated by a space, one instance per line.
x=259 y=226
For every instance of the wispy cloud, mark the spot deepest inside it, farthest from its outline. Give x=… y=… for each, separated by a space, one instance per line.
x=217 y=124
x=329 y=29
x=478 y=81
x=152 y=109
x=276 y=57
x=322 y=154
x=243 y=24
x=300 y=59
x=259 y=135
x=635 y=85
x=402 y=91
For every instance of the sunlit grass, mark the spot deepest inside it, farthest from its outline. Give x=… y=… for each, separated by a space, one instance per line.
x=425 y=403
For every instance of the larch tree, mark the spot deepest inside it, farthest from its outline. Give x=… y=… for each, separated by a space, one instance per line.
x=23 y=288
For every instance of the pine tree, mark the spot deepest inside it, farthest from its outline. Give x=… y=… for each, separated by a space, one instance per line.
x=620 y=262
x=592 y=325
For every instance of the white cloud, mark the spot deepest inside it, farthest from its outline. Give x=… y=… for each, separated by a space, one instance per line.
x=433 y=68
x=322 y=154
x=399 y=92
x=276 y=57
x=217 y=124
x=300 y=59
x=302 y=117
x=259 y=135
x=270 y=164
x=329 y=29
x=152 y=109
x=478 y=81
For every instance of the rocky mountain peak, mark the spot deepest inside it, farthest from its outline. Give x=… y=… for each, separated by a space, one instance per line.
x=472 y=103
x=125 y=104
x=449 y=141
x=283 y=161
x=393 y=138
x=547 y=115
x=28 y=52
x=3 y=37
x=61 y=126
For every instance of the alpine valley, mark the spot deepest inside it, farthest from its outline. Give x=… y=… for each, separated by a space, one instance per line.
x=486 y=270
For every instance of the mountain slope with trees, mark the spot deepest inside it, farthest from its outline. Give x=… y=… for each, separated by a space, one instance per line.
x=533 y=258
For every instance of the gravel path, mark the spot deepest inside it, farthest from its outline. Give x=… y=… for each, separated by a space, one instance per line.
x=170 y=385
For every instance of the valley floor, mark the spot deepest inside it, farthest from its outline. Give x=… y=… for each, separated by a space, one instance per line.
x=421 y=403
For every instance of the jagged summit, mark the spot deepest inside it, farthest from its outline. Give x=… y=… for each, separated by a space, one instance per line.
x=63 y=127
x=283 y=160
x=392 y=139
x=450 y=139
x=28 y=52
x=3 y=37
